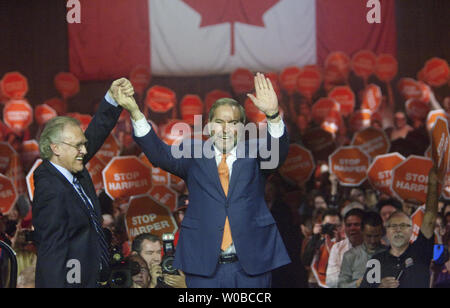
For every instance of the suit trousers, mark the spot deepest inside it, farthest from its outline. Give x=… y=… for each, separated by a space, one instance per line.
x=230 y=275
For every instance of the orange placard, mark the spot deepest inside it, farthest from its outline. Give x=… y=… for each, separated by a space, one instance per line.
x=417 y=109
x=213 y=96
x=165 y=195
x=409 y=88
x=126 y=176
x=372 y=140
x=345 y=97
x=43 y=113
x=432 y=117
x=58 y=105
x=242 y=81
x=177 y=183
x=363 y=63
x=386 y=67
x=110 y=148
x=288 y=79
x=84 y=119
x=18 y=114
x=379 y=173
x=309 y=80
x=140 y=78
x=146 y=215
x=67 y=84
x=360 y=119
x=6 y=154
x=95 y=167
x=299 y=164
x=332 y=122
x=337 y=67
x=175 y=131
x=8 y=194
x=410 y=179
x=253 y=113
x=160 y=99
x=350 y=165
x=190 y=106
x=440 y=146
x=320 y=142
x=436 y=72
x=14 y=85
x=322 y=108
x=372 y=98
x=274 y=79
x=29 y=153
x=30 y=178
x=159 y=176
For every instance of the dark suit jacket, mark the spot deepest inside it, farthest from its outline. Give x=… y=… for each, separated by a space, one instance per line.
x=255 y=235
x=64 y=230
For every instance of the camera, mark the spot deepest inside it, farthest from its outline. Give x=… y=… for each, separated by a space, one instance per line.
x=121 y=270
x=328 y=229
x=167 y=259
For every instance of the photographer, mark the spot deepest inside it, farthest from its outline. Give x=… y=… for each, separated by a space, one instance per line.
x=325 y=234
x=148 y=246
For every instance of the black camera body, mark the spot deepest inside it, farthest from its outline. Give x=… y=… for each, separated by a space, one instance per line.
x=169 y=255
x=121 y=271
x=328 y=229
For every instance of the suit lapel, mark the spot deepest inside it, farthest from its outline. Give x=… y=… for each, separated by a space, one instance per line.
x=213 y=174
x=237 y=168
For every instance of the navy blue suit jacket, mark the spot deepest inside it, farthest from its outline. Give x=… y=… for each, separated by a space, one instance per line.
x=258 y=243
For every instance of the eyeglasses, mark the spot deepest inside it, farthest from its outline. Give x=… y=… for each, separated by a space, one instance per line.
x=78 y=147
x=401 y=226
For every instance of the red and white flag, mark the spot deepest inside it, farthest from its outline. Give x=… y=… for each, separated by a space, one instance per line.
x=201 y=37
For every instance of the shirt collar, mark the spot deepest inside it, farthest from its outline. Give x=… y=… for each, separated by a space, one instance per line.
x=218 y=153
x=67 y=174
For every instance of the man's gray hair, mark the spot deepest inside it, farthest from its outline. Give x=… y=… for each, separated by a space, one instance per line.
x=395 y=214
x=229 y=102
x=52 y=133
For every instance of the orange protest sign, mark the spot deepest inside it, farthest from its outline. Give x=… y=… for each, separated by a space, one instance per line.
x=319 y=142
x=337 y=67
x=159 y=176
x=8 y=194
x=360 y=119
x=110 y=148
x=417 y=109
x=379 y=173
x=175 y=131
x=433 y=116
x=332 y=122
x=140 y=78
x=363 y=63
x=253 y=113
x=126 y=176
x=345 y=97
x=372 y=98
x=84 y=119
x=43 y=113
x=95 y=167
x=242 y=81
x=14 y=85
x=176 y=183
x=16 y=173
x=436 y=72
x=288 y=79
x=190 y=106
x=146 y=215
x=58 y=105
x=6 y=154
x=213 y=96
x=165 y=195
x=18 y=114
x=410 y=179
x=29 y=153
x=350 y=165
x=160 y=99
x=440 y=146
x=309 y=80
x=67 y=84
x=372 y=140
x=299 y=164
x=30 y=178
x=409 y=88
x=386 y=67
x=322 y=108
x=274 y=79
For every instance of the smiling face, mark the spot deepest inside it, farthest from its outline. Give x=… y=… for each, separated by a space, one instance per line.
x=70 y=151
x=224 y=128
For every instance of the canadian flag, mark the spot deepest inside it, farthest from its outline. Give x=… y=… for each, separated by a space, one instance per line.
x=204 y=37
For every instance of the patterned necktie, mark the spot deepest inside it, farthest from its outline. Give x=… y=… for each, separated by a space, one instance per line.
x=224 y=176
x=104 y=252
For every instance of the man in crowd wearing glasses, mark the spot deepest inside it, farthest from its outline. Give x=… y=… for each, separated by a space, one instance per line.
x=72 y=248
x=405 y=264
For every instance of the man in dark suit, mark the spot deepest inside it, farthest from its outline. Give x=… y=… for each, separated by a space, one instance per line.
x=228 y=237
x=72 y=249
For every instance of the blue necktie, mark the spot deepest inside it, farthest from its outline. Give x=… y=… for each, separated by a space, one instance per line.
x=104 y=252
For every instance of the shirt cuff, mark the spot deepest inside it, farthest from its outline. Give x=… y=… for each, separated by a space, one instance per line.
x=276 y=130
x=141 y=127
x=111 y=100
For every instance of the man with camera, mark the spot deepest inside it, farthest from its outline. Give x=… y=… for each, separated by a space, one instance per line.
x=148 y=246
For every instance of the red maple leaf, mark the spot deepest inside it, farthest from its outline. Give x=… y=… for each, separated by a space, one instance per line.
x=231 y=11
